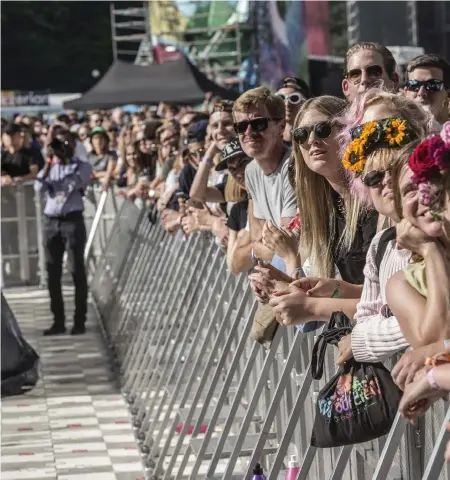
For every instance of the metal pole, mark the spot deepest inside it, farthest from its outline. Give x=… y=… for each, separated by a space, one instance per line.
x=41 y=254
x=113 y=31
x=95 y=223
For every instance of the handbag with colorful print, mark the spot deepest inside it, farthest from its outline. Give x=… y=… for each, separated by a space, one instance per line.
x=359 y=403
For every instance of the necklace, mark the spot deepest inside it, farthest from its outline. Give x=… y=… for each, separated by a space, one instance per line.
x=341 y=206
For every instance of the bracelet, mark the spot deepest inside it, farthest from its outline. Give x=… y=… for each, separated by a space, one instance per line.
x=300 y=270
x=432 y=380
x=207 y=160
x=337 y=291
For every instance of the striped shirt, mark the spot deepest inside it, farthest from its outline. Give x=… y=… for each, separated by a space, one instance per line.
x=376 y=335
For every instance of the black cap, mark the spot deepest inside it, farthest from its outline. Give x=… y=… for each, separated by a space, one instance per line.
x=297 y=84
x=231 y=150
x=12 y=128
x=197 y=131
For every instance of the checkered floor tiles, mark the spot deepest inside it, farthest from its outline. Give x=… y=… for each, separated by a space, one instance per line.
x=74 y=425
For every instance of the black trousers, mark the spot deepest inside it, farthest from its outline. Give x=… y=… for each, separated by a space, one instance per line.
x=66 y=234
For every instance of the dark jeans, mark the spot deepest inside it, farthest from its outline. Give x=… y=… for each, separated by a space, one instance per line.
x=66 y=234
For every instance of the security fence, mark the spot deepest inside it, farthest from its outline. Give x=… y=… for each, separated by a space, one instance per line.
x=22 y=250
x=207 y=401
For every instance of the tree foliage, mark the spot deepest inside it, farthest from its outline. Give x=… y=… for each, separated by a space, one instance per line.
x=54 y=44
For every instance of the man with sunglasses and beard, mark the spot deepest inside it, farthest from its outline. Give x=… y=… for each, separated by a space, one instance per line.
x=428 y=84
x=294 y=92
x=367 y=65
x=259 y=118
x=63 y=181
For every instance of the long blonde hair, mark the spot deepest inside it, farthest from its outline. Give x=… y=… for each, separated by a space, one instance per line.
x=315 y=199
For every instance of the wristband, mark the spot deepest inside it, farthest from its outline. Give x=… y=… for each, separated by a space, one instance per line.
x=49 y=160
x=337 y=292
x=447 y=344
x=207 y=160
x=432 y=380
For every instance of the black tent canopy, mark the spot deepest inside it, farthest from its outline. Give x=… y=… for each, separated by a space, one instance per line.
x=176 y=81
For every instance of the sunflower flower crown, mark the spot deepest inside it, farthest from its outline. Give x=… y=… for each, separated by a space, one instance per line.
x=430 y=162
x=366 y=138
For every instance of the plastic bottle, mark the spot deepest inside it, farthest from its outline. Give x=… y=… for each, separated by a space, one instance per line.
x=258 y=473
x=294 y=468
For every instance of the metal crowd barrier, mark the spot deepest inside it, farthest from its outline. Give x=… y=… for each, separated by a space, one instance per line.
x=22 y=251
x=207 y=401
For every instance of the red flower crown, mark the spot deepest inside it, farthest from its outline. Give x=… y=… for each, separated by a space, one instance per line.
x=429 y=163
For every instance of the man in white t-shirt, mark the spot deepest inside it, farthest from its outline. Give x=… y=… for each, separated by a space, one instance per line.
x=259 y=122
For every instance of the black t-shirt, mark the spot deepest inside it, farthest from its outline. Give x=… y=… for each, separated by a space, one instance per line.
x=237 y=219
x=351 y=262
x=18 y=164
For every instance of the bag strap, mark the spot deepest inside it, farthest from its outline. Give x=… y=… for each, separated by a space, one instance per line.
x=330 y=336
x=388 y=235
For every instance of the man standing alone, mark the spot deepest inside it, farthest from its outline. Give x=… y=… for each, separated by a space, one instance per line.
x=63 y=181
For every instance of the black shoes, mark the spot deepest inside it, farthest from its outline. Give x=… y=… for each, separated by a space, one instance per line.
x=61 y=330
x=55 y=330
x=78 y=330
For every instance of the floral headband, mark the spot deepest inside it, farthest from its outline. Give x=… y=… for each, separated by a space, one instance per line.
x=429 y=163
x=366 y=138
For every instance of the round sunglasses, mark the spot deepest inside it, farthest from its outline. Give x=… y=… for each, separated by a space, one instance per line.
x=293 y=98
x=321 y=130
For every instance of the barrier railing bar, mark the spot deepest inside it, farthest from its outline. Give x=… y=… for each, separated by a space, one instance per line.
x=157 y=317
x=249 y=412
x=299 y=404
x=220 y=336
x=179 y=387
x=225 y=386
x=144 y=270
x=276 y=400
x=23 y=235
x=40 y=245
x=390 y=448
x=434 y=465
x=162 y=349
x=95 y=224
x=165 y=259
x=339 y=467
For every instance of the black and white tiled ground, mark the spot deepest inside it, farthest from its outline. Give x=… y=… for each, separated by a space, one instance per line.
x=74 y=425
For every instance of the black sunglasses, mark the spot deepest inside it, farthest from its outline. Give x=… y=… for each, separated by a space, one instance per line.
x=321 y=130
x=375 y=177
x=431 y=85
x=374 y=71
x=293 y=98
x=257 y=124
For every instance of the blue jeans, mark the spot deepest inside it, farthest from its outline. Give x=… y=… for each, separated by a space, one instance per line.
x=278 y=262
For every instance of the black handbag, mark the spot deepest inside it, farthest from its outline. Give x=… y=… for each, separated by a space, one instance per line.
x=359 y=403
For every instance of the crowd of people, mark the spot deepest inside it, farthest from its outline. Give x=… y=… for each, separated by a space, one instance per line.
x=331 y=204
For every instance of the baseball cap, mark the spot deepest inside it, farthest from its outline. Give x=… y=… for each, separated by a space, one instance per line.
x=231 y=150
x=12 y=128
x=99 y=131
x=197 y=131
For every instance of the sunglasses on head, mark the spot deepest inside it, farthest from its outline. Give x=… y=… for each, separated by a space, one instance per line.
x=294 y=98
x=432 y=85
x=257 y=124
x=355 y=75
x=321 y=130
x=375 y=178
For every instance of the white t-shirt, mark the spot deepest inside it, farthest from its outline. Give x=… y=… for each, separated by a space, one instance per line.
x=273 y=196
